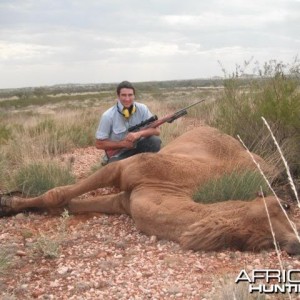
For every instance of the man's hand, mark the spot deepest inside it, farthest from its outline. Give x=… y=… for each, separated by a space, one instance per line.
x=133 y=136
x=126 y=144
x=129 y=140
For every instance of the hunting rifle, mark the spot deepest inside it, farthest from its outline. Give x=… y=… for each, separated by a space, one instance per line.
x=154 y=122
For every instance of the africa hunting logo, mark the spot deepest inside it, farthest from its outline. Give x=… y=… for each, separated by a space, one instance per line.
x=272 y=281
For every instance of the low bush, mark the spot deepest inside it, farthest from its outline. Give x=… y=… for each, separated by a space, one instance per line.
x=49 y=245
x=234 y=186
x=38 y=177
x=274 y=96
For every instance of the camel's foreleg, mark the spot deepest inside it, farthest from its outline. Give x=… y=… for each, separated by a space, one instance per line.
x=60 y=196
x=109 y=204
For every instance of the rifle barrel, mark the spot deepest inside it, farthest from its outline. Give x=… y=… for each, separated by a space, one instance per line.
x=193 y=104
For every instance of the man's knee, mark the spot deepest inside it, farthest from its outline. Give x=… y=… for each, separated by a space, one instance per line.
x=149 y=144
x=123 y=155
x=155 y=143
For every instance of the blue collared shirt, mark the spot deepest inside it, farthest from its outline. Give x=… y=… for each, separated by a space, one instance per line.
x=114 y=126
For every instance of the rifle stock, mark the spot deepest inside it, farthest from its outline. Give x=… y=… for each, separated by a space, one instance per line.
x=153 y=122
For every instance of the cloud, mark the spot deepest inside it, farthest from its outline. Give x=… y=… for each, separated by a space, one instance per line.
x=24 y=53
x=154 y=49
x=46 y=42
x=219 y=20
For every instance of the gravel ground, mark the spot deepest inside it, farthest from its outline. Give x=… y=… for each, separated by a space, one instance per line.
x=104 y=257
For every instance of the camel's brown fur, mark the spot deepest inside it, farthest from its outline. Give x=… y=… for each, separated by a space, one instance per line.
x=157 y=189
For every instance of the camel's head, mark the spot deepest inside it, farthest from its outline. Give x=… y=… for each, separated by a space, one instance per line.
x=281 y=222
x=243 y=226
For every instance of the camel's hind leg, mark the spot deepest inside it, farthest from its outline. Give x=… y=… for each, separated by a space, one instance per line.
x=60 y=196
x=109 y=204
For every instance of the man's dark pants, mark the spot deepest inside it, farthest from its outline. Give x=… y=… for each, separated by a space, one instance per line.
x=149 y=144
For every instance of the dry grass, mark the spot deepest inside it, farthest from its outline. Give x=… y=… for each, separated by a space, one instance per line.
x=43 y=134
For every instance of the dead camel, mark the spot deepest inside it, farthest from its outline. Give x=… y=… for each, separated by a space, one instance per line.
x=157 y=189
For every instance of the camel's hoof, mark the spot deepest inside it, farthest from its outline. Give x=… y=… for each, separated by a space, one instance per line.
x=6 y=204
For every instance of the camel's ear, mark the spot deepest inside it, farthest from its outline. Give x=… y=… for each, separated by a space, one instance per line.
x=213 y=235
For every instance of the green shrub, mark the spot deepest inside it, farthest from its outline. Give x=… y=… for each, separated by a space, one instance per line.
x=234 y=186
x=37 y=178
x=47 y=247
x=274 y=96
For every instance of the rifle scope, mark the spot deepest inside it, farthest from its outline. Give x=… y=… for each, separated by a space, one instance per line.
x=142 y=124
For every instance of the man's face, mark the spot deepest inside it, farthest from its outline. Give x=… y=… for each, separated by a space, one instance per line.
x=126 y=97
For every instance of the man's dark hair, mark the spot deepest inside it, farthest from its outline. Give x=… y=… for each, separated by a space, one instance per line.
x=125 y=85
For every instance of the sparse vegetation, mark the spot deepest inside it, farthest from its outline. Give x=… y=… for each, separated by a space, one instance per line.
x=4 y=133
x=230 y=290
x=5 y=260
x=41 y=139
x=49 y=246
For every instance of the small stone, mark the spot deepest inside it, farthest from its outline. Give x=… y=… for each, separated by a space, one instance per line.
x=153 y=239
x=36 y=294
x=199 y=267
x=63 y=270
x=20 y=216
x=147 y=274
x=21 y=253
x=24 y=286
x=120 y=245
x=54 y=283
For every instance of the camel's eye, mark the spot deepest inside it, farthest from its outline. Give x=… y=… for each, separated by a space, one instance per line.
x=286 y=206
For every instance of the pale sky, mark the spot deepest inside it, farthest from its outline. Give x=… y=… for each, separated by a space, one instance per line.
x=46 y=42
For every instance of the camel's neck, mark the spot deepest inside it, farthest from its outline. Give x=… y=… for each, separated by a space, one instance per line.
x=158 y=212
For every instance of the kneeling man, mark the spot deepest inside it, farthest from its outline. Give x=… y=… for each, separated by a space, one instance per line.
x=112 y=133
